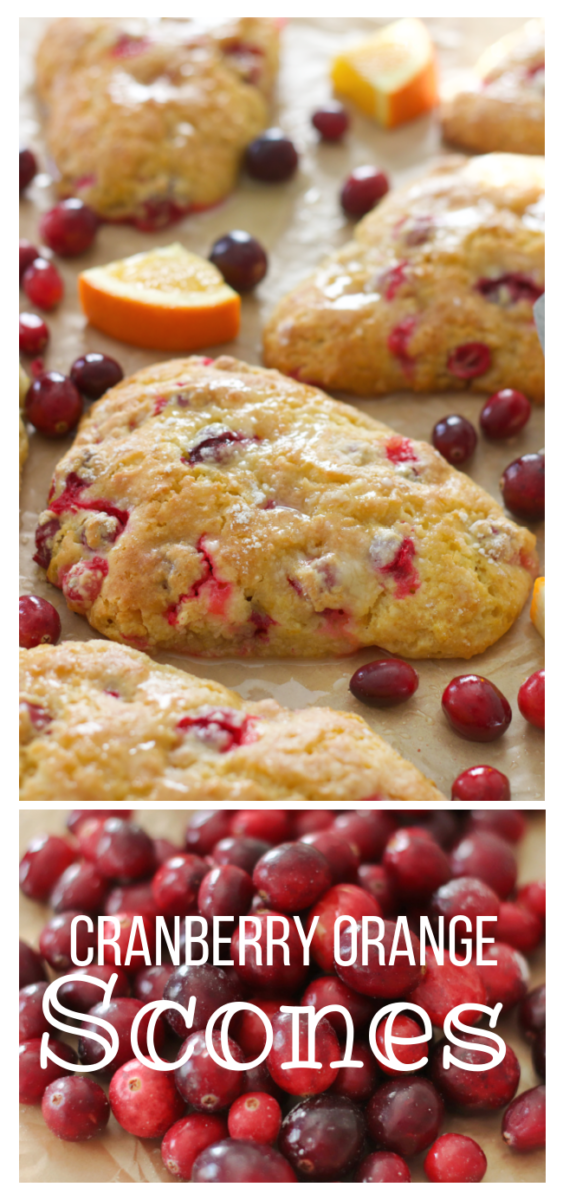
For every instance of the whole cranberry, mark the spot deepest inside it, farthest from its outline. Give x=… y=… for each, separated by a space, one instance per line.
x=342 y=900
x=291 y=876
x=83 y=996
x=124 y=851
x=532 y=896
x=80 y=887
x=518 y=927
x=403 y=1027
x=505 y=414
x=133 y=898
x=469 y=360
x=34 y=333
x=367 y=832
x=455 y=1158
x=455 y=438
x=258 y=1079
x=405 y=1115
x=328 y=990
x=505 y=975
x=32 y=969
x=28 y=168
x=242 y=852
x=416 y=863
x=44 y=861
x=42 y=284
x=211 y=986
x=28 y=252
x=343 y=859
x=187 y=1138
x=476 y=709
x=523 y=1123
x=279 y=976
x=357 y=1083
x=271 y=825
x=323 y=1137
x=531 y=1013
x=200 y=1081
x=55 y=940
x=256 y=1117
x=531 y=699
x=538 y=1054
x=93 y=374
x=241 y=259
x=271 y=157
x=249 y=1030
x=88 y=834
x=302 y=1081
x=362 y=190
x=376 y=879
x=75 y=1109
x=34 y=1078
x=69 y=228
x=331 y=121
x=119 y=1012
x=523 y=487
x=379 y=980
x=32 y=1020
x=145 y=1102
x=383 y=1167
x=237 y=1161
x=311 y=821
x=205 y=828
x=481 y=784
x=384 y=683
x=163 y=850
x=488 y=857
x=225 y=891
x=507 y=823
x=176 y=884
x=78 y=816
x=475 y=1091
x=444 y=986
x=53 y=405
x=151 y=981
x=468 y=897
x=442 y=825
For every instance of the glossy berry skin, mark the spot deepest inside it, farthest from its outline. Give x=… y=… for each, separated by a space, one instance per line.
x=444 y=986
x=42 y=284
x=455 y=1158
x=55 y=941
x=405 y=1115
x=80 y=887
x=176 y=884
x=485 y=856
x=303 y=1081
x=345 y=899
x=481 y=785
x=357 y=1083
x=145 y=1102
x=53 y=405
x=40 y=623
x=331 y=121
x=475 y=1091
x=362 y=190
x=532 y=896
x=34 y=1078
x=242 y=852
x=255 y=1117
x=187 y=1138
x=119 y=1012
x=272 y=825
x=280 y=977
x=455 y=438
x=45 y=859
x=329 y=989
x=376 y=879
x=75 y=1109
x=469 y=360
x=476 y=709
x=469 y=897
x=236 y=1161
x=523 y=1124
x=379 y=980
x=311 y=821
x=77 y=816
x=367 y=832
x=28 y=168
x=403 y=1027
x=241 y=259
x=124 y=851
x=69 y=228
x=505 y=983
x=271 y=157
x=206 y=827
x=225 y=891
x=518 y=927
x=249 y=1030
x=416 y=863
x=201 y=1082
x=28 y=252
x=383 y=1167
x=505 y=414
x=531 y=1013
x=343 y=859
x=291 y=876
x=531 y=699
x=523 y=487
x=32 y=969
x=211 y=986
x=33 y=333
x=133 y=898
x=323 y=1137
x=32 y=1020
x=384 y=683
x=83 y=996
x=93 y=374
x=151 y=981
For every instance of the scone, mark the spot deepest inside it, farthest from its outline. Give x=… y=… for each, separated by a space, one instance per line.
x=218 y=509
x=503 y=106
x=148 y=119
x=105 y=723
x=24 y=443
x=434 y=293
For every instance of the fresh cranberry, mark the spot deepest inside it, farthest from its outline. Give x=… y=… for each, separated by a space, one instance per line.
x=291 y=876
x=32 y=1020
x=225 y=891
x=151 y=981
x=345 y=899
x=444 y=987
x=362 y=190
x=255 y=1117
x=416 y=863
x=376 y=879
x=249 y=1030
x=83 y=996
x=237 y=1161
x=69 y=228
x=145 y=1102
x=469 y=361
x=28 y=252
x=200 y=1081
x=42 y=284
x=531 y=1013
x=88 y=835
x=258 y=1079
x=93 y=374
x=40 y=623
x=302 y=1081
x=357 y=1083
x=242 y=852
x=518 y=927
x=77 y=816
x=44 y=537
x=271 y=825
x=532 y=896
x=241 y=259
x=129 y=945
x=476 y=709
x=34 y=333
x=455 y=438
x=523 y=1123
x=508 y=823
x=187 y=1138
x=133 y=898
x=32 y=969
x=384 y=683
x=475 y=1091
x=478 y=784
x=80 y=887
x=405 y=1115
x=383 y=1167
x=53 y=405
x=505 y=414
x=442 y=825
x=531 y=699
x=505 y=974
x=468 y=897
x=28 y=168
x=176 y=884
x=488 y=857
x=271 y=157
x=211 y=986
x=34 y=1078
x=455 y=1158
x=380 y=980
x=323 y=1137
x=523 y=487
x=311 y=821
x=279 y=976
x=206 y=827
x=119 y=1012
x=538 y=1054
x=367 y=832
x=331 y=121
x=45 y=859
x=328 y=990
x=124 y=851
x=164 y=849
x=343 y=859
x=75 y=1109
x=55 y=940
x=403 y=1027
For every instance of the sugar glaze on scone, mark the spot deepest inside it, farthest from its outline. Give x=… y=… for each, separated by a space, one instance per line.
x=435 y=292
x=100 y=722
x=221 y=509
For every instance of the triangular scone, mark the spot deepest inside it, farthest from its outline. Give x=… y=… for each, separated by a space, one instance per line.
x=101 y=722
x=434 y=293
x=503 y=106
x=220 y=509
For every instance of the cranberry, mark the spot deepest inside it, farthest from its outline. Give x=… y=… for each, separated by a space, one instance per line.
x=538 y=1054
x=331 y=121
x=443 y=826
x=145 y=1102
x=28 y=252
x=151 y=981
x=405 y=1115
x=28 y=168
x=206 y=827
x=455 y=1158
x=357 y=1083
x=507 y=981
x=523 y=1123
x=531 y=699
x=32 y=1020
x=504 y=414
x=119 y=1012
x=469 y=361
x=55 y=940
x=481 y=784
x=83 y=996
x=34 y=333
x=485 y=856
x=237 y=1161
x=475 y=1091
x=53 y=405
x=133 y=898
x=367 y=832
x=39 y=622
x=362 y=190
x=45 y=859
x=531 y=1013
x=69 y=228
x=523 y=487
x=187 y=1138
x=383 y=1167
x=93 y=374
x=164 y=849
x=302 y=1081
x=88 y=835
x=255 y=1117
x=327 y=990
x=78 y=816
x=323 y=1137
x=34 y=1078
x=384 y=683
x=403 y=1027
x=32 y=969
x=225 y=891
x=532 y=896
x=211 y=986
x=380 y=980
x=291 y=876
x=200 y=1081
x=271 y=825
x=279 y=976
x=44 y=537
x=376 y=879
x=242 y=852
x=81 y=888
x=465 y=896
x=476 y=709
x=271 y=157
x=241 y=259
x=342 y=858
x=345 y=899
x=416 y=863
x=176 y=884
x=249 y=1030
x=75 y=1109
x=311 y=821
x=455 y=438
x=508 y=823
x=42 y=284
x=444 y=987
x=124 y=851
x=129 y=944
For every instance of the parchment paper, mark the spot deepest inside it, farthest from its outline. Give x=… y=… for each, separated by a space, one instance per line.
x=298 y=222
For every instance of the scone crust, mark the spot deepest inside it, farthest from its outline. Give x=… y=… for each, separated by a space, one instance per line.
x=101 y=722
x=222 y=509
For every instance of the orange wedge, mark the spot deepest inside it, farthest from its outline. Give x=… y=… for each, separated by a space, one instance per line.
x=537 y=611
x=392 y=76
x=164 y=299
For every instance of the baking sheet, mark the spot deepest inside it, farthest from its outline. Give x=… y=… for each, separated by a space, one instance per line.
x=116 y=1157
x=297 y=223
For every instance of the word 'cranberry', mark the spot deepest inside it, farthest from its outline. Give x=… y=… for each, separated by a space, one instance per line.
x=483 y=784
x=53 y=404
x=241 y=259
x=271 y=157
x=362 y=190
x=331 y=121
x=469 y=361
x=523 y=487
x=28 y=168
x=93 y=374
x=33 y=333
x=476 y=709
x=69 y=228
x=255 y=1117
x=39 y=622
x=531 y=699
x=75 y=1108
x=455 y=438
x=504 y=414
x=42 y=284
x=455 y=1158
x=384 y=683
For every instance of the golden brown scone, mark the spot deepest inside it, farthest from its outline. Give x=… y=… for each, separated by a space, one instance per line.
x=503 y=106
x=101 y=722
x=148 y=119
x=434 y=293
x=219 y=509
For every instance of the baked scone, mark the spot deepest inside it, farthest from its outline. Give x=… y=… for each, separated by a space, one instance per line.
x=105 y=723
x=24 y=443
x=434 y=293
x=218 y=509
x=503 y=106
x=148 y=119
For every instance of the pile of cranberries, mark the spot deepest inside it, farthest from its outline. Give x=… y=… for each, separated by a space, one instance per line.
x=265 y=1123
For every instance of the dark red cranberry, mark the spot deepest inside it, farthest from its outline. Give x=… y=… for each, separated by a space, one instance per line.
x=532 y=896
x=323 y=1137
x=405 y=1115
x=279 y=977
x=124 y=851
x=42 y=284
x=93 y=374
x=384 y=683
x=164 y=849
x=83 y=996
x=444 y=986
x=505 y=414
x=151 y=981
x=271 y=157
x=249 y=1030
x=133 y=898
x=69 y=228
x=416 y=863
x=331 y=121
x=455 y=438
x=145 y=1102
x=538 y=1054
x=28 y=168
x=119 y=1012
x=362 y=190
x=507 y=980
x=32 y=1020
x=476 y=709
x=468 y=897
x=28 y=252
x=442 y=825
x=55 y=940
x=255 y=1117
x=469 y=361
x=508 y=823
x=531 y=1013
x=80 y=887
x=88 y=835
x=367 y=832
x=45 y=859
x=328 y=990
x=242 y=852
x=34 y=333
x=77 y=816
x=383 y=1167
x=403 y=1027
x=225 y=891
x=237 y=1161
x=187 y=1138
x=342 y=858
x=32 y=969
x=481 y=784
x=376 y=979
x=241 y=259
x=207 y=827
x=291 y=876
x=34 y=1078
x=523 y=1123
x=202 y=1082
x=485 y=856
x=311 y=821
x=376 y=879
x=357 y=1083
x=475 y=1091
x=53 y=405
x=176 y=884
x=523 y=487
x=518 y=927
x=75 y=1109
x=211 y=986
x=39 y=622
x=455 y=1158
x=345 y=899
x=531 y=699
x=271 y=825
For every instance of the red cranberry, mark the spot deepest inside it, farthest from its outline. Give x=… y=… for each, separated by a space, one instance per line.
x=271 y=157
x=176 y=884
x=120 y=1013
x=206 y=827
x=376 y=879
x=362 y=190
x=69 y=228
x=507 y=981
x=145 y=1102
x=34 y=1078
x=342 y=900
x=34 y=333
x=357 y=1083
x=32 y=1020
x=331 y=121
x=53 y=405
x=405 y=1115
x=531 y=1013
x=249 y=1030
x=81 y=888
x=75 y=1109
x=311 y=821
x=271 y=825
x=538 y=1054
x=45 y=859
x=531 y=699
x=367 y=832
x=384 y=683
x=444 y=987
x=78 y=816
x=242 y=852
x=132 y=898
x=124 y=851
x=187 y=1138
x=383 y=1167
x=129 y=944
x=40 y=623
x=258 y=1079
x=302 y=1081
x=476 y=709
x=28 y=252
x=416 y=863
x=485 y=856
x=443 y=826
x=164 y=849
x=151 y=981
x=327 y=990
x=211 y=986
x=93 y=374
x=505 y=414
x=323 y=1138
x=523 y=487
x=255 y=1117
x=508 y=823
x=200 y=1081
x=523 y=1123
x=225 y=891
x=469 y=361
x=237 y=1161
x=518 y=927
x=465 y=896
x=28 y=168
x=532 y=896
x=42 y=284
x=455 y=438
x=55 y=940
x=342 y=858
x=475 y=1091
x=481 y=784
x=83 y=996
x=279 y=976
x=291 y=876
x=380 y=980
x=241 y=259
x=88 y=835
x=455 y=1158
x=403 y=1027
x=32 y=969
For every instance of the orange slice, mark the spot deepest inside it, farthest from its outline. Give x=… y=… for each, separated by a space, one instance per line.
x=163 y=299
x=537 y=611
x=392 y=76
